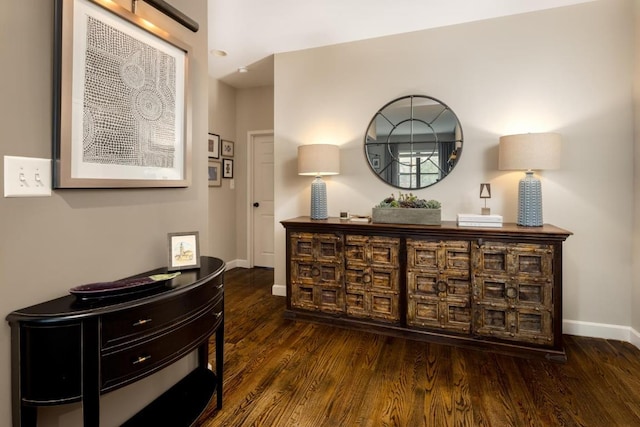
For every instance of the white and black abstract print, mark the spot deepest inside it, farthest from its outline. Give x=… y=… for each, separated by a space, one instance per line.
x=129 y=103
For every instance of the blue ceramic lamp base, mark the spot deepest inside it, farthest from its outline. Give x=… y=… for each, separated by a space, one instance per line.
x=530 y=201
x=319 y=199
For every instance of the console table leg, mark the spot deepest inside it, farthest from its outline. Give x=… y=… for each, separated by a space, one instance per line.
x=219 y=363
x=91 y=373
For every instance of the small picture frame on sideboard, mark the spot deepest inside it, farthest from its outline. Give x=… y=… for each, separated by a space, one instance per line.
x=184 y=251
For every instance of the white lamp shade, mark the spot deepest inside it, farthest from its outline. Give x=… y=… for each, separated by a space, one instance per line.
x=318 y=159
x=529 y=151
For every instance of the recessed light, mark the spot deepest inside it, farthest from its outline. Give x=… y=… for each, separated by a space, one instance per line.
x=218 y=52
x=243 y=70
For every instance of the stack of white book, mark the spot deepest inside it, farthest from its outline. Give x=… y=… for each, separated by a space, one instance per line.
x=476 y=220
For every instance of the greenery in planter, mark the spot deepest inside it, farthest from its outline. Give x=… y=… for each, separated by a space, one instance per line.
x=408 y=201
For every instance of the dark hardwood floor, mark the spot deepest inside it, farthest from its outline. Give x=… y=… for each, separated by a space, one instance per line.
x=284 y=373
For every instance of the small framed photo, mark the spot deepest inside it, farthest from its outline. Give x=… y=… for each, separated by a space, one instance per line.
x=227 y=168
x=184 y=251
x=375 y=162
x=214 y=146
x=215 y=173
x=227 y=148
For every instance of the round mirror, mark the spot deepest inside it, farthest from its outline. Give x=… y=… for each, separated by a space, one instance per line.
x=413 y=142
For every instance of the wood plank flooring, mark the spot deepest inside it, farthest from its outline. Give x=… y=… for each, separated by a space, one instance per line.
x=294 y=374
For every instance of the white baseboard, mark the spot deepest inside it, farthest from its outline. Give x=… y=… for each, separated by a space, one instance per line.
x=635 y=338
x=240 y=263
x=601 y=330
x=279 y=290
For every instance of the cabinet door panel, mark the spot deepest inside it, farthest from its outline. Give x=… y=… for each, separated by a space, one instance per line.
x=384 y=251
x=384 y=279
x=303 y=272
x=354 y=277
x=384 y=306
x=329 y=248
x=372 y=278
x=491 y=259
x=422 y=283
x=533 y=260
x=422 y=254
x=522 y=325
x=456 y=256
x=302 y=296
x=330 y=299
x=301 y=245
x=355 y=249
x=423 y=312
x=492 y=289
x=355 y=303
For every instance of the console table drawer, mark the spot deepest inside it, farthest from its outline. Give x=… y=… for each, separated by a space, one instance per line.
x=124 y=326
x=126 y=365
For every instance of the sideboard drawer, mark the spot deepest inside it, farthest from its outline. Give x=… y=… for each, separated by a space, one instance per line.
x=124 y=326
x=127 y=364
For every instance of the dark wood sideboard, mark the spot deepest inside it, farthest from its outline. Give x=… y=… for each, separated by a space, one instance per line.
x=68 y=350
x=496 y=289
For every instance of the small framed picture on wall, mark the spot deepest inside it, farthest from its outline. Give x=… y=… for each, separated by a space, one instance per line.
x=227 y=168
x=214 y=146
x=215 y=174
x=227 y=148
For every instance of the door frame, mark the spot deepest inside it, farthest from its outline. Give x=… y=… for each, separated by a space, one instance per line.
x=251 y=137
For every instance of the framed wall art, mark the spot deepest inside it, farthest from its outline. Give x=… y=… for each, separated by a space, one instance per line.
x=227 y=168
x=184 y=251
x=215 y=173
x=227 y=148
x=214 y=146
x=121 y=97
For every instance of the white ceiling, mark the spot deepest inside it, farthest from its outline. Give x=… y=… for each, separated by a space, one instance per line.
x=251 y=31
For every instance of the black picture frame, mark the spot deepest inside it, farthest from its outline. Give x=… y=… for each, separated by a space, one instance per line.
x=227 y=168
x=213 y=148
x=227 y=148
x=115 y=126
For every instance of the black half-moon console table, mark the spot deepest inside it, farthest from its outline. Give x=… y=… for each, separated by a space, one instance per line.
x=74 y=349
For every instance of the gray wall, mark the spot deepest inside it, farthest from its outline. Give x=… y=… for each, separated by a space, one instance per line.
x=50 y=244
x=254 y=113
x=635 y=300
x=568 y=70
x=222 y=200
x=233 y=113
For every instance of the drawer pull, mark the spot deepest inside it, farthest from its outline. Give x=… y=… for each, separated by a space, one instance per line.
x=220 y=286
x=141 y=359
x=142 y=322
x=218 y=314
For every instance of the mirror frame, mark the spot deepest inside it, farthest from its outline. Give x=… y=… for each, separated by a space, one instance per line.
x=375 y=163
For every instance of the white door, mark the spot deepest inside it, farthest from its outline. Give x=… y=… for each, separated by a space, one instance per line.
x=262 y=200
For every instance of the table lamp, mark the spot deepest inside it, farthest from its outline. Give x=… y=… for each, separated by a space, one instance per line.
x=529 y=152
x=318 y=160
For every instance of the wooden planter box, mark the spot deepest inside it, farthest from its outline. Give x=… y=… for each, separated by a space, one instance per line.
x=407 y=216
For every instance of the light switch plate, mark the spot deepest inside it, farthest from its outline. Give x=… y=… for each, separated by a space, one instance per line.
x=27 y=177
